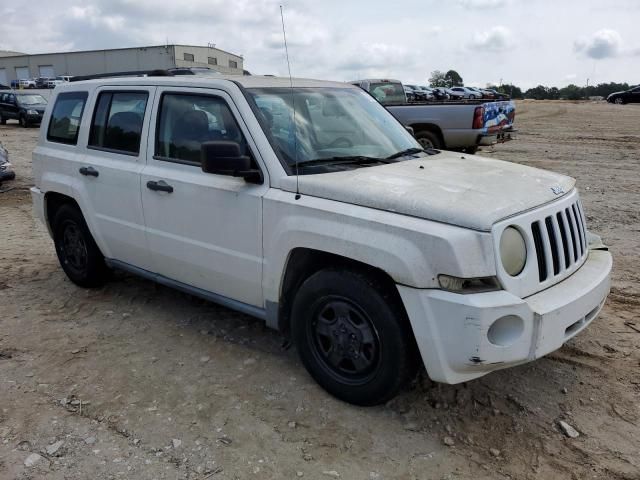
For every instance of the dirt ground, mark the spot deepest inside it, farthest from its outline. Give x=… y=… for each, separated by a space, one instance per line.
x=136 y=381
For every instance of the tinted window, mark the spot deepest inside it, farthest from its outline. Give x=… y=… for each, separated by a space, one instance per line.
x=117 y=121
x=186 y=121
x=188 y=57
x=64 y=124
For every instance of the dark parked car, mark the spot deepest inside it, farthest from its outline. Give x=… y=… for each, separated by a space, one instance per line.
x=630 y=96
x=4 y=87
x=27 y=108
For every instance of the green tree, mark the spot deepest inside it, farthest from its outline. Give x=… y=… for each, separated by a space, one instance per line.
x=572 y=92
x=453 y=79
x=539 y=93
x=437 y=79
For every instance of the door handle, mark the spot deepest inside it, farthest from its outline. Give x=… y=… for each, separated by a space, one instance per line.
x=159 y=186
x=89 y=171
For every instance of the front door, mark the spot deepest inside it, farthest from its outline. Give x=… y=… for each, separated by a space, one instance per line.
x=204 y=230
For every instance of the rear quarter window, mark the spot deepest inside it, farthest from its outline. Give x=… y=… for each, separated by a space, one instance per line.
x=66 y=116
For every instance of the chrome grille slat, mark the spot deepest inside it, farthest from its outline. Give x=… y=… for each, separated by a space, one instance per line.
x=546 y=244
x=560 y=243
x=577 y=220
x=572 y=231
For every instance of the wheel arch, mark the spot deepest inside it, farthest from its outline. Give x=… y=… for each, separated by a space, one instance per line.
x=429 y=127
x=52 y=203
x=303 y=262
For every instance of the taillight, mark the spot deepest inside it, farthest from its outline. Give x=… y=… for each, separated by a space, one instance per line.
x=478 y=116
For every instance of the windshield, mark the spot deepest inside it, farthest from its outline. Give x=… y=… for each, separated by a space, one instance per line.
x=329 y=123
x=388 y=92
x=31 y=99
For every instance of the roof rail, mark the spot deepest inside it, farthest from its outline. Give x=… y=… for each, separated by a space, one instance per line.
x=140 y=73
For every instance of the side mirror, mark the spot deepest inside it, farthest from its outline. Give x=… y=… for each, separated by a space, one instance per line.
x=224 y=158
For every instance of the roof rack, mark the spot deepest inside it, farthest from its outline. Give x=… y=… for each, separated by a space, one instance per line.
x=140 y=73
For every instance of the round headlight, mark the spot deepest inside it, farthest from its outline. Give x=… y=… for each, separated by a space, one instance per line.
x=513 y=251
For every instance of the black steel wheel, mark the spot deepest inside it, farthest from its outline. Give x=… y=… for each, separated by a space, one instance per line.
x=353 y=336
x=77 y=251
x=3 y=121
x=345 y=340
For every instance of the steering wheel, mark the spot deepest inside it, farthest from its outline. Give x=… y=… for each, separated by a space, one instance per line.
x=341 y=142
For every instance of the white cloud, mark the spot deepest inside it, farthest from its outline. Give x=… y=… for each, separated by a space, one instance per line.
x=496 y=39
x=605 y=43
x=483 y=3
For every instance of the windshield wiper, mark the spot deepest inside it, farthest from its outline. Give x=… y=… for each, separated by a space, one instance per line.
x=359 y=159
x=412 y=151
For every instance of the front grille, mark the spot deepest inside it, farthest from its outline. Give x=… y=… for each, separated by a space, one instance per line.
x=559 y=240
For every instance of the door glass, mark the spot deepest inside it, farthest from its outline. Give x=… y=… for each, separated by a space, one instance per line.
x=66 y=116
x=117 y=121
x=187 y=121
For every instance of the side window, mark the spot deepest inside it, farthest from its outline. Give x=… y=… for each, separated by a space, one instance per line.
x=187 y=121
x=117 y=121
x=64 y=124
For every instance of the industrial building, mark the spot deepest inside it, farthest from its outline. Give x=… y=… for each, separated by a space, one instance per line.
x=17 y=66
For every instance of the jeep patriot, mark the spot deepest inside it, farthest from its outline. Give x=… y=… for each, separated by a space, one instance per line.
x=309 y=206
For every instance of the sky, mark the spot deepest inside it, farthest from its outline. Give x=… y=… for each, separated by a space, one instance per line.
x=525 y=42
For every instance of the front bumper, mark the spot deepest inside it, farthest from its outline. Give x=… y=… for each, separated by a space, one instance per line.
x=37 y=118
x=453 y=331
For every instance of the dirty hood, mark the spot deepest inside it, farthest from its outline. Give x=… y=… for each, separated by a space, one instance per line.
x=464 y=190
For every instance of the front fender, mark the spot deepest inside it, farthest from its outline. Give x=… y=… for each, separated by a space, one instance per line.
x=412 y=251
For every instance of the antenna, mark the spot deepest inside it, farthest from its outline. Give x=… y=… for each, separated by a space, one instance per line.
x=293 y=100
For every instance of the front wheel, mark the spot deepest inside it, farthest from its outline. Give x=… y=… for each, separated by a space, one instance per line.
x=619 y=101
x=77 y=251
x=353 y=336
x=22 y=120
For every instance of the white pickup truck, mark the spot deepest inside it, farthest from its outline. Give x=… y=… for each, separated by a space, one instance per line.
x=311 y=207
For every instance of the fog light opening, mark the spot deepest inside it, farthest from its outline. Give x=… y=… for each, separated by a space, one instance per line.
x=505 y=330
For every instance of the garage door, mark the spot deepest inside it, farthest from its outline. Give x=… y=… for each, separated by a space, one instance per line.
x=22 y=73
x=3 y=76
x=46 y=71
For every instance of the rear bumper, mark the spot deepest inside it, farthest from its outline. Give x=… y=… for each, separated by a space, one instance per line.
x=462 y=337
x=498 y=137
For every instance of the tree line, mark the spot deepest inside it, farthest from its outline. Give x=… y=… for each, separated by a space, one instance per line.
x=452 y=78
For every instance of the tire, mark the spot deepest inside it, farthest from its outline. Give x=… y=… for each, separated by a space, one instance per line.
x=471 y=150
x=3 y=121
x=428 y=139
x=22 y=120
x=619 y=101
x=353 y=336
x=79 y=256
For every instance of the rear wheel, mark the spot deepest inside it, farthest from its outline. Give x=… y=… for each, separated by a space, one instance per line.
x=428 y=139
x=77 y=251
x=352 y=336
x=3 y=121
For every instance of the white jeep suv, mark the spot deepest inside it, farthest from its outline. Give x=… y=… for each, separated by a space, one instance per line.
x=309 y=206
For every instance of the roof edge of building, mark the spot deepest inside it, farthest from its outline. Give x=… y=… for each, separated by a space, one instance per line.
x=19 y=54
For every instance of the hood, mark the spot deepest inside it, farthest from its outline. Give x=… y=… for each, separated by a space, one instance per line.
x=616 y=93
x=464 y=190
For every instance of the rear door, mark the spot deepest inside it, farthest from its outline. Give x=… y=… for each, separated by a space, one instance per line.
x=108 y=175
x=204 y=230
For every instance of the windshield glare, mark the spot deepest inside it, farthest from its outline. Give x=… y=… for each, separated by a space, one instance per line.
x=31 y=99
x=329 y=122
